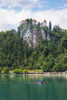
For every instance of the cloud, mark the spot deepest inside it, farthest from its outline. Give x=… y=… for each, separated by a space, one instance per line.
x=21 y=3
x=65 y=5
x=9 y=19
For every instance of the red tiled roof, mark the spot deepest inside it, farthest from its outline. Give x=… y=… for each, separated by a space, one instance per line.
x=42 y=23
x=44 y=20
x=34 y=20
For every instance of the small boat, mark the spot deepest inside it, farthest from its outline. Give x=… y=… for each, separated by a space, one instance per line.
x=40 y=82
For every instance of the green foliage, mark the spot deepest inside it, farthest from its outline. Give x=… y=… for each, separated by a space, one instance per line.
x=46 y=66
x=25 y=71
x=64 y=43
x=28 y=20
x=48 y=55
x=38 y=24
x=6 y=70
x=58 y=67
x=50 y=26
x=61 y=64
x=38 y=66
x=46 y=51
x=18 y=71
x=0 y=70
x=56 y=28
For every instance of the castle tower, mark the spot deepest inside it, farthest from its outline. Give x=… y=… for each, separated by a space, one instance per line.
x=41 y=24
x=34 y=22
x=44 y=23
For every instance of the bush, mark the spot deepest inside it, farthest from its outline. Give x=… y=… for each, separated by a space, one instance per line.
x=17 y=71
x=25 y=71
x=0 y=70
x=6 y=70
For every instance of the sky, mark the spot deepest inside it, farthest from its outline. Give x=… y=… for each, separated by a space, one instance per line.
x=13 y=11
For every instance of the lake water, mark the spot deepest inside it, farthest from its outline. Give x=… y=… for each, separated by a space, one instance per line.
x=19 y=87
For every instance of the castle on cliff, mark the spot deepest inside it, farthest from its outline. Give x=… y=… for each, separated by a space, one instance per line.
x=31 y=32
x=34 y=22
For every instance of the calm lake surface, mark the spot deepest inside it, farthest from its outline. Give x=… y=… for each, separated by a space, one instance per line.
x=19 y=87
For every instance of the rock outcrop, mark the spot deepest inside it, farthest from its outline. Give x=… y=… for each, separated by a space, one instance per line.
x=32 y=35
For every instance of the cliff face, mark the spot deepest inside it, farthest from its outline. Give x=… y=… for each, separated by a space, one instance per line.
x=32 y=36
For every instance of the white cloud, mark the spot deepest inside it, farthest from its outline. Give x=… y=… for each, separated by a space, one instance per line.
x=10 y=18
x=21 y=3
x=65 y=5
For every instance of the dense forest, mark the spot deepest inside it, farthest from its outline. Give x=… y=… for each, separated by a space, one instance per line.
x=48 y=55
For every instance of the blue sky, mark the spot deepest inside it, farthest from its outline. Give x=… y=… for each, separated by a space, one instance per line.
x=19 y=4
x=13 y=11
x=34 y=5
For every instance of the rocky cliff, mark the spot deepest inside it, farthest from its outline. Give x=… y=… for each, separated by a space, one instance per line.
x=32 y=34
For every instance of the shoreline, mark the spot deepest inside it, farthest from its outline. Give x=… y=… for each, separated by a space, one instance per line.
x=43 y=73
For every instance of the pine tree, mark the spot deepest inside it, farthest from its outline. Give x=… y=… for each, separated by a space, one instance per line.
x=50 y=25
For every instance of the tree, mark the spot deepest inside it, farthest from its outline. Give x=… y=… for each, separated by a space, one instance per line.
x=28 y=20
x=31 y=21
x=56 y=28
x=0 y=70
x=64 y=43
x=50 y=25
x=46 y=66
x=6 y=70
x=38 y=24
x=58 y=67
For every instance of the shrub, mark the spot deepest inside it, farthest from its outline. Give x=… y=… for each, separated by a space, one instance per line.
x=25 y=71
x=17 y=71
x=0 y=70
x=6 y=70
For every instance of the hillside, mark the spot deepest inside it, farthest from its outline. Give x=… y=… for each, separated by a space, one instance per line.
x=47 y=55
